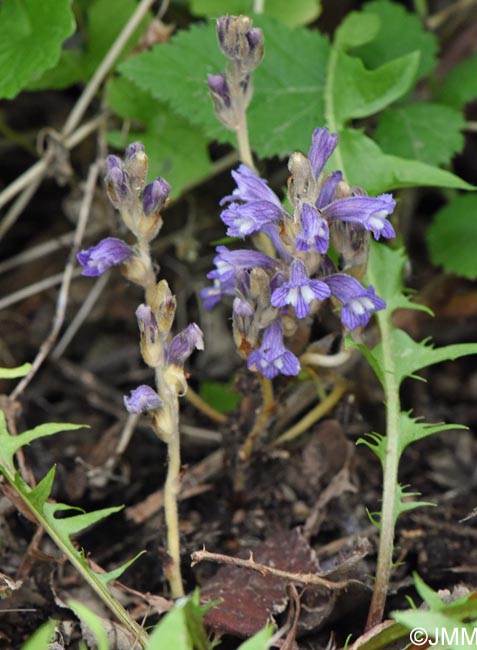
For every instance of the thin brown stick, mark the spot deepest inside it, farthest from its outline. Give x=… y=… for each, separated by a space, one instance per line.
x=62 y=301
x=300 y=578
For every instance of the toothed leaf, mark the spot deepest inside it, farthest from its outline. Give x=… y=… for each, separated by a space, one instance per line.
x=75 y=523
x=40 y=493
x=411 y=430
x=106 y=578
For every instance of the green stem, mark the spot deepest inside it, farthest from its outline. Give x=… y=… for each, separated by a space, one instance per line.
x=390 y=471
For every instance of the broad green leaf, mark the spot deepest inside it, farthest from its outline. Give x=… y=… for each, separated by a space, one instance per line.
x=453 y=234
x=92 y=621
x=182 y=628
x=31 y=35
x=410 y=356
x=439 y=621
x=288 y=99
x=401 y=33
x=358 y=92
x=220 y=395
x=100 y=27
x=13 y=373
x=259 y=641
x=355 y=30
x=176 y=149
x=289 y=13
x=427 y=132
x=460 y=84
x=41 y=638
x=365 y=165
x=9 y=445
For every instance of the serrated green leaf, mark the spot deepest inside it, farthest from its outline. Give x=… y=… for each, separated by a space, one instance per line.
x=9 y=445
x=74 y=524
x=259 y=641
x=358 y=92
x=427 y=132
x=288 y=99
x=108 y=577
x=376 y=443
x=92 y=621
x=401 y=505
x=453 y=234
x=13 y=373
x=289 y=13
x=411 y=356
x=176 y=149
x=401 y=33
x=31 y=35
x=41 y=638
x=101 y=26
x=460 y=84
x=411 y=429
x=40 y=493
x=365 y=165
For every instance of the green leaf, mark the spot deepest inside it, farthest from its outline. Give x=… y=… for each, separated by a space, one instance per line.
x=365 y=165
x=404 y=501
x=175 y=148
x=41 y=638
x=460 y=85
x=101 y=26
x=453 y=234
x=259 y=641
x=427 y=132
x=356 y=29
x=427 y=594
x=358 y=92
x=9 y=445
x=182 y=627
x=220 y=395
x=411 y=430
x=74 y=524
x=31 y=35
x=108 y=577
x=39 y=494
x=289 y=13
x=288 y=99
x=92 y=621
x=401 y=33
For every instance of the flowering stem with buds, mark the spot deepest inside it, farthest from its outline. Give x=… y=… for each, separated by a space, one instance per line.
x=139 y=206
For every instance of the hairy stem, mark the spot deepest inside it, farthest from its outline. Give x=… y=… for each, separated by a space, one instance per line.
x=267 y=408
x=390 y=478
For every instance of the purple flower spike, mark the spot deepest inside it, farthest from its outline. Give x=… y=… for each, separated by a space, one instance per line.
x=155 y=195
x=184 y=344
x=300 y=291
x=370 y=212
x=219 y=87
x=323 y=144
x=143 y=398
x=247 y=218
x=98 y=259
x=358 y=303
x=315 y=232
x=250 y=187
x=272 y=357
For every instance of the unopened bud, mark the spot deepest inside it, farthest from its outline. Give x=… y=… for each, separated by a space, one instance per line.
x=117 y=181
x=163 y=306
x=135 y=162
x=301 y=184
x=239 y=41
x=155 y=195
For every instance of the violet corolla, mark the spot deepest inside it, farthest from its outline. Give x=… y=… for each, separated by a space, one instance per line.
x=276 y=295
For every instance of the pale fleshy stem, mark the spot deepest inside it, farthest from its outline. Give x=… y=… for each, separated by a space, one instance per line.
x=201 y=405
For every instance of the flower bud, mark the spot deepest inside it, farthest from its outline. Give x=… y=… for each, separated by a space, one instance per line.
x=151 y=343
x=135 y=162
x=109 y=252
x=117 y=181
x=239 y=41
x=184 y=344
x=155 y=196
x=163 y=306
x=301 y=184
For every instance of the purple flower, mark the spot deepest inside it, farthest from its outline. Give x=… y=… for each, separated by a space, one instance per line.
x=184 y=344
x=315 y=232
x=143 y=398
x=117 y=181
x=272 y=357
x=370 y=212
x=247 y=218
x=323 y=144
x=300 y=291
x=147 y=322
x=328 y=188
x=133 y=149
x=219 y=88
x=155 y=195
x=98 y=259
x=358 y=303
x=250 y=187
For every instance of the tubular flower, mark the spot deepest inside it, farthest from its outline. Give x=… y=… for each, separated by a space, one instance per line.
x=143 y=398
x=98 y=259
x=272 y=357
x=370 y=212
x=300 y=291
x=358 y=303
